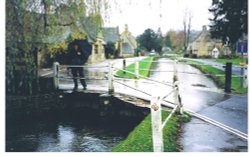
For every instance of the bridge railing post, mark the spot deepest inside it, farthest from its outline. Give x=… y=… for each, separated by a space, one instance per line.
x=175 y=71
x=177 y=97
x=136 y=69
x=55 y=75
x=111 y=79
x=156 y=121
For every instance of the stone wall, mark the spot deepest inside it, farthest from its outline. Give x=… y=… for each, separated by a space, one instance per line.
x=106 y=107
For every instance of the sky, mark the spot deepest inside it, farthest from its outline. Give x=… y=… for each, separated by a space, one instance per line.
x=143 y=14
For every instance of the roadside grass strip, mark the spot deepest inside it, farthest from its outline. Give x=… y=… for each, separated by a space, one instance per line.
x=140 y=139
x=144 y=69
x=220 y=80
x=235 y=61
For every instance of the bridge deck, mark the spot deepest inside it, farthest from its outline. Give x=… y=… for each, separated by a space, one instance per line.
x=127 y=94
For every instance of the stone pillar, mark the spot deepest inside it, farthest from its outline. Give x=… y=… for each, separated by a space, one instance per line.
x=103 y=52
x=92 y=59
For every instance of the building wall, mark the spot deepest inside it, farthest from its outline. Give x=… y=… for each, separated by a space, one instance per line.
x=204 y=44
x=128 y=43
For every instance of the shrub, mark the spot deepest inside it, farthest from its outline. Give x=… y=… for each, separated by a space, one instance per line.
x=193 y=56
x=229 y=56
x=206 y=56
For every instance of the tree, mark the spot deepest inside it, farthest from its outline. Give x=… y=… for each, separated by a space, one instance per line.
x=186 y=28
x=177 y=40
x=230 y=20
x=159 y=40
x=168 y=41
x=110 y=50
x=33 y=26
x=150 y=40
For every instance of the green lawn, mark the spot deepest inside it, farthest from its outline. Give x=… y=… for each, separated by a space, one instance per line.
x=235 y=61
x=220 y=80
x=143 y=64
x=140 y=139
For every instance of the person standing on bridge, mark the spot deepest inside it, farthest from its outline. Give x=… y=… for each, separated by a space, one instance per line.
x=77 y=59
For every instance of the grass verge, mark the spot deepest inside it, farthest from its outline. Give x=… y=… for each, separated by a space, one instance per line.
x=220 y=80
x=144 y=64
x=140 y=139
x=235 y=61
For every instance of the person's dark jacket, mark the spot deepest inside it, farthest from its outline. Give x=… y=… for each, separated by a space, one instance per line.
x=76 y=59
x=84 y=47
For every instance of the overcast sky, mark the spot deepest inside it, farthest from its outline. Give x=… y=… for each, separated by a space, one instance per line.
x=143 y=14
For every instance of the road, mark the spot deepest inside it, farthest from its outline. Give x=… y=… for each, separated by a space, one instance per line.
x=236 y=69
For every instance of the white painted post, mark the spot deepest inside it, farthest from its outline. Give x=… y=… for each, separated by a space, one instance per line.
x=156 y=122
x=55 y=74
x=136 y=69
x=242 y=76
x=175 y=71
x=175 y=67
x=177 y=98
x=245 y=83
x=111 y=79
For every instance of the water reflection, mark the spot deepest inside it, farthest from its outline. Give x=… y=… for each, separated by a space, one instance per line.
x=62 y=136
x=61 y=142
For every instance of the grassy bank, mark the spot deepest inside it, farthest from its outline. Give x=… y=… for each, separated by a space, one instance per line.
x=144 y=64
x=220 y=80
x=235 y=61
x=140 y=139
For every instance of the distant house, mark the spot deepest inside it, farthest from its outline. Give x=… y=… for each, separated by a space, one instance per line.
x=204 y=44
x=128 y=43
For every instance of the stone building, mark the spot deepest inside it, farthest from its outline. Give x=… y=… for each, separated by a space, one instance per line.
x=95 y=38
x=204 y=45
x=128 y=43
x=97 y=53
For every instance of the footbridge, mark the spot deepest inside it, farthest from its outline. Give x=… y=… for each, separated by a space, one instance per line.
x=162 y=95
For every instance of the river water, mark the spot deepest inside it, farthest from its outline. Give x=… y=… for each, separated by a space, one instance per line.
x=73 y=131
x=79 y=133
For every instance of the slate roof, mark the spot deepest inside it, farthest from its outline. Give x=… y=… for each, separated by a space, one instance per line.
x=111 y=34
